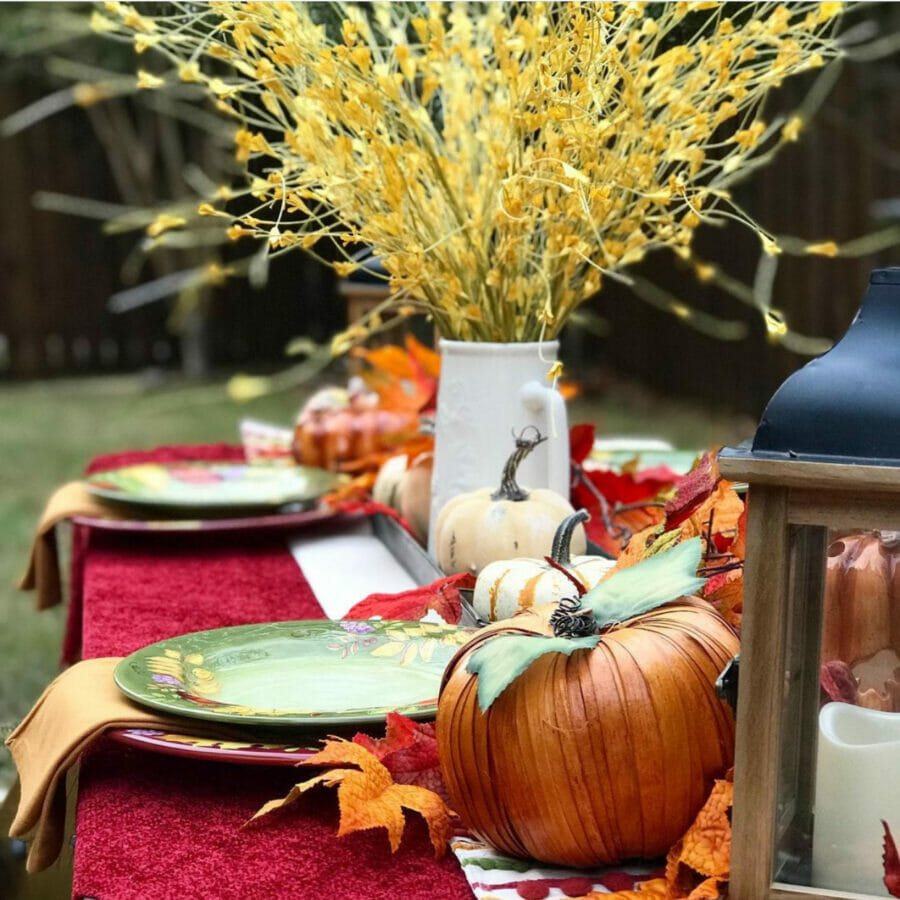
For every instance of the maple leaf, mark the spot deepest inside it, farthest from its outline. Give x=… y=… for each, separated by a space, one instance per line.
x=693 y=489
x=891 y=862
x=581 y=441
x=699 y=863
x=368 y=797
x=442 y=596
x=405 y=378
x=409 y=751
x=726 y=508
x=727 y=596
x=428 y=361
x=838 y=682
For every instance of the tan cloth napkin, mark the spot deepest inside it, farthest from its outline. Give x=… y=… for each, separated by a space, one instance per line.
x=42 y=574
x=74 y=711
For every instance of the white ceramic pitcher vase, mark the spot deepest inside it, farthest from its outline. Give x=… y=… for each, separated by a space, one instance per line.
x=487 y=393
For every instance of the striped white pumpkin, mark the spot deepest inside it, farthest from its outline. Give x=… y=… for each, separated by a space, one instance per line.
x=506 y=587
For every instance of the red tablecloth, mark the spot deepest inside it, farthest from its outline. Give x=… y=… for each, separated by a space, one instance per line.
x=163 y=827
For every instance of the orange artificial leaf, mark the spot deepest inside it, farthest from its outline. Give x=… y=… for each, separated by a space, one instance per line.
x=368 y=796
x=728 y=599
x=401 y=377
x=706 y=846
x=420 y=443
x=388 y=360
x=357 y=488
x=739 y=547
x=569 y=390
x=707 y=890
x=700 y=862
x=726 y=508
x=424 y=356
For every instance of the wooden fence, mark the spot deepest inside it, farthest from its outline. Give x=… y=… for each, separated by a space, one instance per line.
x=57 y=273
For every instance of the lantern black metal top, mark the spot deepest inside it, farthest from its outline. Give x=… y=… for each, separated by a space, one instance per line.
x=843 y=407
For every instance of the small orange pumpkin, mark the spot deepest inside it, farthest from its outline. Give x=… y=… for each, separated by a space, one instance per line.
x=602 y=755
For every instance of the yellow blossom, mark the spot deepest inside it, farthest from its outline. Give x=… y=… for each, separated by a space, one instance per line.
x=146 y=81
x=704 y=272
x=555 y=371
x=497 y=158
x=215 y=274
x=101 y=24
x=826 y=248
x=89 y=94
x=775 y=324
x=164 y=222
x=190 y=71
x=792 y=128
x=248 y=387
x=235 y=232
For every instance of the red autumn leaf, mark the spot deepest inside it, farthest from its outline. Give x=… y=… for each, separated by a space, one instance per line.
x=692 y=491
x=399 y=734
x=581 y=440
x=620 y=487
x=891 y=862
x=409 y=752
x=442 y=596
x=728 y=596
x=838 y=681
x=626 y=524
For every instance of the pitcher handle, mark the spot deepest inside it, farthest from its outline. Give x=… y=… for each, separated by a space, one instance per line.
x=548 y=404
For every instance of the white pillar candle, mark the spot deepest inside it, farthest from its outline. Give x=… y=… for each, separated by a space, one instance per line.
x=857 y=785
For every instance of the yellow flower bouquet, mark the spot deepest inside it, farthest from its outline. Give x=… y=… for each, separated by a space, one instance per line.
x=500 y=159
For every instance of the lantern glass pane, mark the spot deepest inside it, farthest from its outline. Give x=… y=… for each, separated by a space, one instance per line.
x=839 y=766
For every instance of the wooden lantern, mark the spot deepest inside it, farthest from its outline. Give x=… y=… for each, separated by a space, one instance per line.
x=817 y=777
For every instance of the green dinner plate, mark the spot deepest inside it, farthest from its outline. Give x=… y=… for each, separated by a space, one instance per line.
x=295 y=673
x=203 y=484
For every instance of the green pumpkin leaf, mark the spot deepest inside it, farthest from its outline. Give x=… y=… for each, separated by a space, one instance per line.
x=500 y=660
x=659 y=579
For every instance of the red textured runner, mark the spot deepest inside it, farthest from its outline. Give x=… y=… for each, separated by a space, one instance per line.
x=163 y=827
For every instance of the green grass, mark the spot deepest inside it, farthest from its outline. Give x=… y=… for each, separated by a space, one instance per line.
x=49 y=430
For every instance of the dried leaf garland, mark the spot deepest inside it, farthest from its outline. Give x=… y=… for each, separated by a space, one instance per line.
x=368 y=796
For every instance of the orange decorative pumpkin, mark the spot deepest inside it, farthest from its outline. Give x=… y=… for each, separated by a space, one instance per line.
x=598 y=756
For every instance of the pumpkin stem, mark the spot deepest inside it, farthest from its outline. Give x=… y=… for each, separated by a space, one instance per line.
x=562 y=540
x=561 y=568
x=509 y=489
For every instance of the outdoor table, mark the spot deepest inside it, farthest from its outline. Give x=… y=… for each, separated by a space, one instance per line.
x=151 y=825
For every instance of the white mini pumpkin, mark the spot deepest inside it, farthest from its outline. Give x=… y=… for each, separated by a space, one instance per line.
x=482 y=526
x=507 y=587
